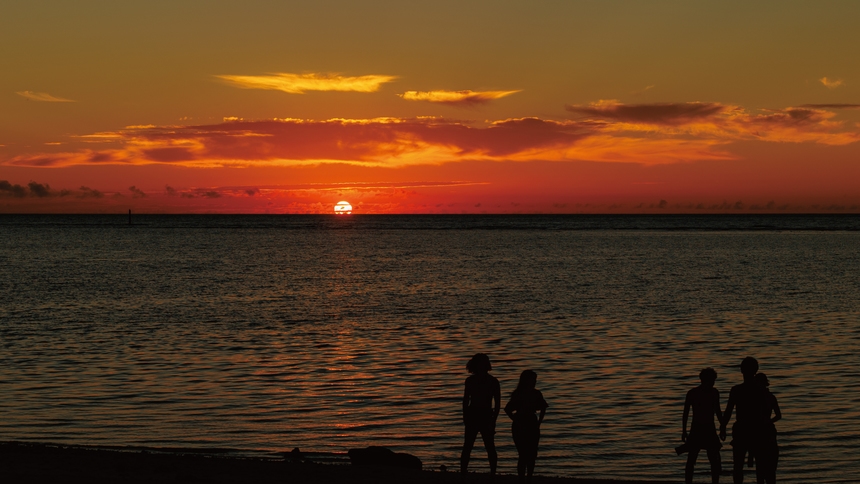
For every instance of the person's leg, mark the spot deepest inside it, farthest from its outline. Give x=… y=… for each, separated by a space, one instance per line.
x=764 y=465
x=739 y=453
x=716 y=464
x=533 y=450
x=768 y=464
x=487 y=435
x=468 y=443
x=521 y=467
x=516 y=430
x=774 y=465
x=691 y=464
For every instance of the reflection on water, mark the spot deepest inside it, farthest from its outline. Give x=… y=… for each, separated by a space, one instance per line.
x=256 y=334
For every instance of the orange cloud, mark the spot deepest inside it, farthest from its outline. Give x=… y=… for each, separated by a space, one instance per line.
x=647 y=134
x=370 y=142
x=793 y=125
x=831 y=83
x=720 y=122
x=299 y=83
x=43 y=97
x=455 y=97
x=383 y=143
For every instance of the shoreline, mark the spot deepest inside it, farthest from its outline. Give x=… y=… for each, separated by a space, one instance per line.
x=39 y=462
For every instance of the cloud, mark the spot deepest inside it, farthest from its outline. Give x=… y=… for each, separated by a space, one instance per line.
x=457 y=98
x=643 y=90
x=300 y=83
x=169 y=154
x=43 y=190
x=831 y=106
x=382 y=142
x=831 y=83
x=793 y=125
x=43 y=97
x=719 y=122
x=82 y=157
x=87 y=192
x=14 y=190
x=39 y=189
x=606 y=132
x=341 y=187
x=136 y=192
x=656 y=113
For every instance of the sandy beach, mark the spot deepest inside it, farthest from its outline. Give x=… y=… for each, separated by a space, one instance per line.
x=52 y=463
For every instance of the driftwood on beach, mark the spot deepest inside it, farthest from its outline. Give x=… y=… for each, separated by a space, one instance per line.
x=52 y=463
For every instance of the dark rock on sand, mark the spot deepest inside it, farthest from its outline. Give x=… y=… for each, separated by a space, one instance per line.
x=383 y=457
x=295 y=456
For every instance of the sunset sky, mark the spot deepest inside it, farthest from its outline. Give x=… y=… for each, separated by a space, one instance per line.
x=430 y=107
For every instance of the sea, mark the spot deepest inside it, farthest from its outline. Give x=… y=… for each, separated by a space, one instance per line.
x=262 y=333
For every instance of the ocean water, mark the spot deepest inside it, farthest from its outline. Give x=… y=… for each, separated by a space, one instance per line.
x=264 y=333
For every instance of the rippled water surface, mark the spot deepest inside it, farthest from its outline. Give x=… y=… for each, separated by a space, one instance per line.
x=267 y=333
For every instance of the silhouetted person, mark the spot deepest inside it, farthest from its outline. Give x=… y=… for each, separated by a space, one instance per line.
x=766 y=449
x=746 y=398
x=705 y=402
x=481 y=402
x=526 y=401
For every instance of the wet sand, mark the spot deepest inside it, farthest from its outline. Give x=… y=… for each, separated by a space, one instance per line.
x=51 y=463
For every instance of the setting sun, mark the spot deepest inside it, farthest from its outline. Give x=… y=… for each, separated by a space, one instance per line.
x=342 y=208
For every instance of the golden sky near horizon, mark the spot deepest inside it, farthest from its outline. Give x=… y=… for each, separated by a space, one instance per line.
x=549 y=106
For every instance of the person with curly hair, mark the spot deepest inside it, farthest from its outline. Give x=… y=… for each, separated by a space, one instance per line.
x=481 y=405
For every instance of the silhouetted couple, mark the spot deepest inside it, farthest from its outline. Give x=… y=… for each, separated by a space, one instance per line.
x=481 y=403
x=753 y=434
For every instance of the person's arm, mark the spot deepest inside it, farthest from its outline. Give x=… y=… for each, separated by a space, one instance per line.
x=540 y=417
x=685 y=417
x=717 y=406
x=727 y=415
x=777 y=414
x=509 y=408
x=497 y=398
x=466 y=394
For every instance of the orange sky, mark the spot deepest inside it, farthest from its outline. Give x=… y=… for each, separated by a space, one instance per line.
x=503 y=107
